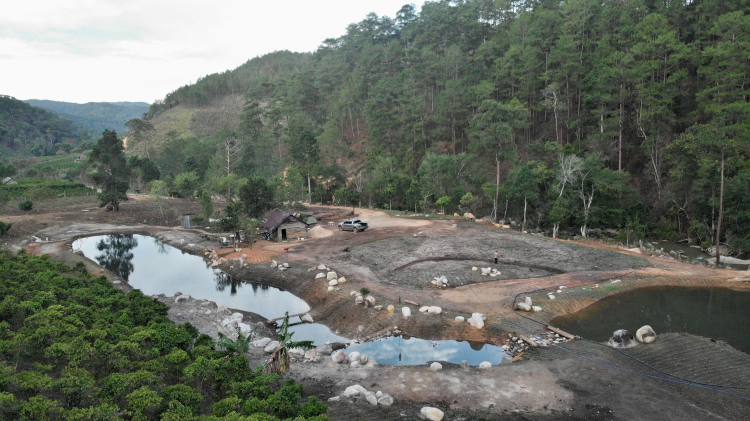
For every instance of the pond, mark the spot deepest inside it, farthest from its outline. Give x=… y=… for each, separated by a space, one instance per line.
x=397 y=350
x=157 y=268
x=708 y=312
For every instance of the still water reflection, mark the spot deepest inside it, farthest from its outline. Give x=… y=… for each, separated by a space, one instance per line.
x=157 y=268
x=413 y=351
x=709 y=312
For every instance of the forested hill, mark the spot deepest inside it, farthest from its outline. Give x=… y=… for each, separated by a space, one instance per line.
x=95 y=116
x=577 y=113
x=29 y=130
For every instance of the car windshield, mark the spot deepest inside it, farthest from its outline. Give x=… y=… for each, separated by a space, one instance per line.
x=354 y=221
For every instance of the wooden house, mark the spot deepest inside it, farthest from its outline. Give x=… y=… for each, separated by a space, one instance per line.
x=284 y=226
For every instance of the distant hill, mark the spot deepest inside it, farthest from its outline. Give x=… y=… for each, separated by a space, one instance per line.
x=29 y=130
x=95 y=116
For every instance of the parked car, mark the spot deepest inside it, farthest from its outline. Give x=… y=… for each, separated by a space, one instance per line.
x=353 y=225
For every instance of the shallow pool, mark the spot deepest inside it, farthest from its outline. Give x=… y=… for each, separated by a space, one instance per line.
x=396 y=350
x=157 y=268
x=709 y=312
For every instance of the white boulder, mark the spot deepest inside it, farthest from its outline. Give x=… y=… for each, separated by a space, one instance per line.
x=320 y=275
x=645 y=335
x=479 y=316
x=536 y=308
x=359 y=300
x=371 y=399
x=354 y=391
x=476 y=322
x=307 y=318
x=459 y=318
x=342 y=280
x=181 y=299
x=436 y=366
x=354 y=364
x=274 y=263
x=527 y=300
x=385 y=400
x=262 y=342
x=475 y=268
x=245 y=329
x=486 y=271
x=431 y=414
x=406 y=311
x=370 y=299
x=333 y=283
x=286 y=265
x=338 y=356
x=271 y=347
x=435 y=310
x=321 y=267
x=354 y=356
x=331 y=276
x=523 y=306
x=424 y=309
x=485 y=365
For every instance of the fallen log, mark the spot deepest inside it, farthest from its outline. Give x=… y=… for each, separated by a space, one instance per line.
x=561 y=332
x=411 y=302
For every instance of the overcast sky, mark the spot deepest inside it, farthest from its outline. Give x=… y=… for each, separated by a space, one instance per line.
x=139 y=50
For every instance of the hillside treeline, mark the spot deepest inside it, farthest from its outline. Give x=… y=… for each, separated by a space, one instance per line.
x=29 y=130
x=556 y=114
x=95 y=116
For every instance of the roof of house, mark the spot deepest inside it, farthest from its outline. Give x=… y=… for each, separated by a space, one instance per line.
x=8 y=180
x=276 y=218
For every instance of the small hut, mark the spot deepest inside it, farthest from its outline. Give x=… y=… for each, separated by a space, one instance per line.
x=282 y=226
x=311 y=221
x=9 y=180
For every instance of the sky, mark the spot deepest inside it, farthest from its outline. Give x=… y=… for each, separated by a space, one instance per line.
x=133 y=50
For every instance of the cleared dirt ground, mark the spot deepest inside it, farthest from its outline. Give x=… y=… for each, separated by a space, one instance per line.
x=396 y=259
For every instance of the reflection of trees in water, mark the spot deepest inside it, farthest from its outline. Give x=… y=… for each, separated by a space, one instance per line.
x=223 y=281
x=117 y=256
x=161 y=247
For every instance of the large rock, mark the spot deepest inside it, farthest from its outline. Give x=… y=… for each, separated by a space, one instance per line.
x=245 y=329
x=311 y=354
x=359 y=300
x=371 y=399
x=307 y=318
x=431 y=414
x=354 y=364
x=321 y=267
x=424 y=309
x=527 y=300
x=237 y=316
x=479 y=315
x=338 y=357
x=460 y=318
x=622 y=339
x=333 y=282
x=271 y=347
x=262 y=342
x=355 y=390
x=476 y=322
x=364 y=358
x=485 y=365
x=370 y=299
x=331 y=276
x=406 y=311
x=486 y=271
x=342 y=280
x=354 y=356
x=465 y=365
x=320 y=275
x=435 y=310
x=645 y=334
x=436 y=366
x=385 y=400
x=523 y=306
x=391 y=309
x=181 y=299
x=371 y=364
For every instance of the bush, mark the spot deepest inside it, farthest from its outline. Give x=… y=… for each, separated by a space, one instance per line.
x=4 y=228
x=26 y=205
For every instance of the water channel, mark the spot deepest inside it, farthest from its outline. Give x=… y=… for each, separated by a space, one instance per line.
x=708 y=312
x=154 y=267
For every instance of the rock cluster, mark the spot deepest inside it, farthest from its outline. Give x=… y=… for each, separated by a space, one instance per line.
x=377 y=398
x=355 y=359
x=490 y=271
x=440 y=281
x=477 y=320
x=527 y=305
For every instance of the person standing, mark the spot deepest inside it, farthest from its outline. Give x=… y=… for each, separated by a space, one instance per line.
x=496 y=256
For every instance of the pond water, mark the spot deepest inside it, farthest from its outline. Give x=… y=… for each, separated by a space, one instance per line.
x=157 y=268
x=708 y=312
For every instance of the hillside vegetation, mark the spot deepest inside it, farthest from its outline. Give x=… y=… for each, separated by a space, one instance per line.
x=556 y=114
x=95 y=116
x=28 y=130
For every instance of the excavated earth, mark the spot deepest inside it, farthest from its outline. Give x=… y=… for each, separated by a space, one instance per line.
x=396 y=259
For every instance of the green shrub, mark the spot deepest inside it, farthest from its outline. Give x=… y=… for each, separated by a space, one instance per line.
x=26 y=205
x=4 y=228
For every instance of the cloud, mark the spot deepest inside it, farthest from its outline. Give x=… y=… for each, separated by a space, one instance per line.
x=110 y=50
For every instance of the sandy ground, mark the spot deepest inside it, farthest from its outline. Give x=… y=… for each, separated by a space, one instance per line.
x=395 y=260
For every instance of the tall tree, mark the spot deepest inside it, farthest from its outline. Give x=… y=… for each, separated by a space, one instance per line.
x=304 y=150
x=111 y=171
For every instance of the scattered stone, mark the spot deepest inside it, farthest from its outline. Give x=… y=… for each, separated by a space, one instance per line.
x=370 y=299
x=385 y=400
x=476 y=322
x=274 y=264
x=371 y=399
x=536 y=308
x=485 y=365
x=354 y=356
x=551 y=297
x=271 y=347
x=359 y=300
x=311 y=354
x=333 y=282
x=621 y=339
x=342 y=280
x=321 y=267
x=354 y=364
x=338 y=357
x=181 y=299
x=424 y=309
x=436 y=366
x=486 y=271
x=245 y=329
x=523 y=306
x=475 y=268
x=406 y=311
x=459 y=318
x=306 y=318
x=330 y=288
x=527 y=300
x=237 y=316
x=391 y=309
x=334 y=399
x=465 y=365
x=354 y=391
x=431 y=414
x=378 y=308
x=331 y=276
x=286 y=265
x=320 y=275
x=262 y=342
x=371 y=364
x=645 y=335
x=209 y=304
x=364 y=358
x=435 y=310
